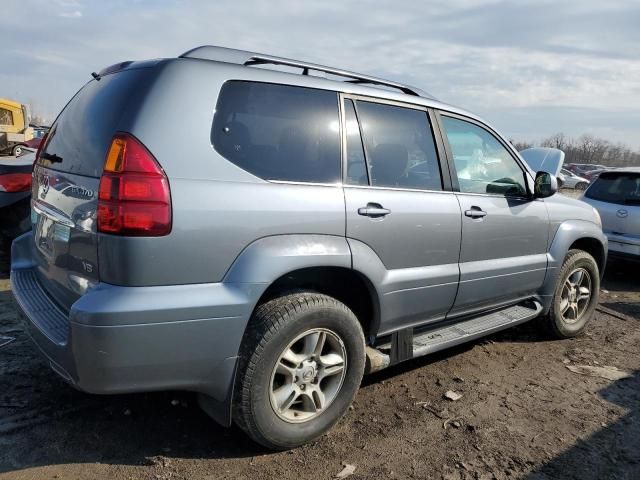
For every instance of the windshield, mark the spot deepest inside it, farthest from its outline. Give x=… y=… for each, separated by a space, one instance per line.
x=616 y=187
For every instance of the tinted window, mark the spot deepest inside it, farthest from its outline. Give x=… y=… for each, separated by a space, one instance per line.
x=614 y=187
x=400 y=147
x=279 y=132
x=81 y=135
x=356 y=166
x=483 y=164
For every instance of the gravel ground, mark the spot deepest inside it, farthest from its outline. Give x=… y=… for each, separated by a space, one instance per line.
x=523 y=414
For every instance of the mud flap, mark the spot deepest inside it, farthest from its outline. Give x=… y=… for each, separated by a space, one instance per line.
x=401 y=345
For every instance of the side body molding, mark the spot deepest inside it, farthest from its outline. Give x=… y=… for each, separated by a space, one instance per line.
x=568 y=232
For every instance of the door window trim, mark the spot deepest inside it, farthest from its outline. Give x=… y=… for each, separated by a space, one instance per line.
x=445 y=175
x=451 y=164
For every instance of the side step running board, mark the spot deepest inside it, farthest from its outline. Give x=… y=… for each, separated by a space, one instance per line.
x=450 y=335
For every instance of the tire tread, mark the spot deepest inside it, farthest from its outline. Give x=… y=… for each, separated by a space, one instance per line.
x=265 y=324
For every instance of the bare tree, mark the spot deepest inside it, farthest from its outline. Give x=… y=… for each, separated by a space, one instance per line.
x=557 y=140
x=589 y=149
x=520 y=145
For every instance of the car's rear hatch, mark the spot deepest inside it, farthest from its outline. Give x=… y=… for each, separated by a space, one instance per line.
x=67 y=176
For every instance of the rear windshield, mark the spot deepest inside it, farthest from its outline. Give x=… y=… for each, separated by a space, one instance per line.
x=616 y=187
x=80 y=136
x=279 y=132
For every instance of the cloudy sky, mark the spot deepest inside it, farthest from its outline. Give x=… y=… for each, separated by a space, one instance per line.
x=531 y=68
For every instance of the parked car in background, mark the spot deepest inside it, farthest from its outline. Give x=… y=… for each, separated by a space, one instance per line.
x=15 y=196
x=34 y=142
x=39 y=134
x=616 y=196
x=591 y=175
x=583 y=169
x=545 y=159
x=14 y=127
x=308 y=231
x=571 y=180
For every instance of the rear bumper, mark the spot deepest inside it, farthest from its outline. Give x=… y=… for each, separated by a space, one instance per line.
x=130 y=339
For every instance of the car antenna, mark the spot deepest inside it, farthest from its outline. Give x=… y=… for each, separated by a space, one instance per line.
x=96 y=76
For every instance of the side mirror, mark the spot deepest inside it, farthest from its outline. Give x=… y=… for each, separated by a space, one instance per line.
x=545 y=185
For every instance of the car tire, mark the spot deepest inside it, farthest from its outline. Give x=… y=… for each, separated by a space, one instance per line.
x=572 y=309
x=581 y=186
x=273 y=403
x=17 y=150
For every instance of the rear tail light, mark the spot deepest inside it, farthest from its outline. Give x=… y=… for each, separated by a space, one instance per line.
x=134 y=197
x=15 y=182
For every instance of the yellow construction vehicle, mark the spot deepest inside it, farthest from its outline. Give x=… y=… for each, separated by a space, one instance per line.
x=14 y=127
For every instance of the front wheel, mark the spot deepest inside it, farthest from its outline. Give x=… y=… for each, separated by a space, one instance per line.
x=581 y=186
x=576 y=295
x=17 y=150
x=301 y=364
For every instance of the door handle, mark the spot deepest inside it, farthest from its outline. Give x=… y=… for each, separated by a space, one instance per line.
x=373 y=210
x=475 y=212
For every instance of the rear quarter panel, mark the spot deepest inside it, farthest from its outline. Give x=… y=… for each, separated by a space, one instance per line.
x=218 y=208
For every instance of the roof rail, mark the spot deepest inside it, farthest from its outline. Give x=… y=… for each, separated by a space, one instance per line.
x=242 y=57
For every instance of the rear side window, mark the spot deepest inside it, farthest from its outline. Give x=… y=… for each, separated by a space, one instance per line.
x=616 y=187
x=279 y=132
x=400 y=147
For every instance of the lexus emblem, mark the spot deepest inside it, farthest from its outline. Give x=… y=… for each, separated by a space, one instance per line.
x=622 y=213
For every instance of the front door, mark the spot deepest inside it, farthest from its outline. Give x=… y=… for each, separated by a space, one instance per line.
x=402 y=225
x=503 y=254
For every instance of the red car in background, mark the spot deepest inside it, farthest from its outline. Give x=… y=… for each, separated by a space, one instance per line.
x=15 y=197
x=591 y=175
x=33 y=143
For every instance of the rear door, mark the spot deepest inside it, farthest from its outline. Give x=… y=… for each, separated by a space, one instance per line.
x=403 y=223
x=503 y=254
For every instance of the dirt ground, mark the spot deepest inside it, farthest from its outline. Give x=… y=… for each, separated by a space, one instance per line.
x=523 y=414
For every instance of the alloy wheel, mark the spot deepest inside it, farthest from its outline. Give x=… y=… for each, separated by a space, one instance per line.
x=575 y=296
x=308 y=375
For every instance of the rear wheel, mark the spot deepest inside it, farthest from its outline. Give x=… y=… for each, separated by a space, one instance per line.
x=576 y=295
x=581 y=186
x=301 y=364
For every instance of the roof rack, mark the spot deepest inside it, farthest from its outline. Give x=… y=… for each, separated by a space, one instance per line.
x=242 y=57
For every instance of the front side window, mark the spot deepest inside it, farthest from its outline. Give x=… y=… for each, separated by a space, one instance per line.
x=400 y=148
x=482 y=163
x=6 y=117
x=279 y=132
x=616 y=187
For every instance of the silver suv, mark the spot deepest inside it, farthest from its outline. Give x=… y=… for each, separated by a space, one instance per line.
x=264 y=237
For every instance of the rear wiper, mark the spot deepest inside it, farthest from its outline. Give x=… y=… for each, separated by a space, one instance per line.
x=52 y=157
